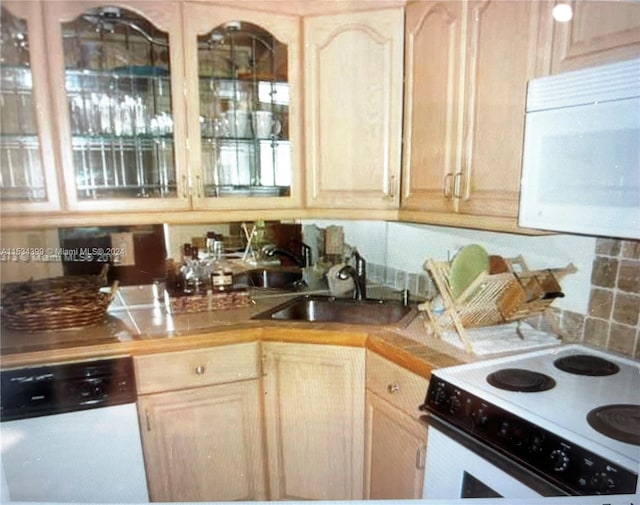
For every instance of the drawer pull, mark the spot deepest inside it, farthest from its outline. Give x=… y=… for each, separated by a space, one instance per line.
x=393 y=388
x=200 y=369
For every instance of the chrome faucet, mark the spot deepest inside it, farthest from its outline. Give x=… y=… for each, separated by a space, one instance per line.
x=302 y=261
x=358 y=274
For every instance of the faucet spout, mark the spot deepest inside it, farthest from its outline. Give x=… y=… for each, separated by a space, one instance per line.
x=300 y=261
x=359 y=276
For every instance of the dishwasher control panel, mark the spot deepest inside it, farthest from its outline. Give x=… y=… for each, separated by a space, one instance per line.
x=66 y=387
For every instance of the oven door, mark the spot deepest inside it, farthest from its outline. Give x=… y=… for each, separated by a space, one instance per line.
x=458 y=466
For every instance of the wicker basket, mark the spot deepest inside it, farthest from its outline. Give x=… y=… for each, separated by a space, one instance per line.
x=56 y=303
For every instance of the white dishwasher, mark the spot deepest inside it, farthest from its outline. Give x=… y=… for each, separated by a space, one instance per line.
x=69 y=433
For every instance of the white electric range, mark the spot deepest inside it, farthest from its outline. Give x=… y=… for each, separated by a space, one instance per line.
x=559 y=421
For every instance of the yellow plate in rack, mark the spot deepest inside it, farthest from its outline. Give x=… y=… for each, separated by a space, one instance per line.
x=465 y=266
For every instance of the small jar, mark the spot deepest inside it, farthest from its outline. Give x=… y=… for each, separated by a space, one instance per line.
x=221 y=271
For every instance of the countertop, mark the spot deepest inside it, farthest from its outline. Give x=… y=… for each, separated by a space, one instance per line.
x=138 y=323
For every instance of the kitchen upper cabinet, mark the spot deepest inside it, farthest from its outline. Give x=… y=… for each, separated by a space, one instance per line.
x=243 y=103
x=395 y=441
x=600 y=32
x=465 y=96
x=28 y=181
x=433 y=106
x=353 y=109
x=117 y=79
x=314 y=414
x=201 y=424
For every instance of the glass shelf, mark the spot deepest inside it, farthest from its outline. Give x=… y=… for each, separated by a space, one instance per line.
x=111 y=167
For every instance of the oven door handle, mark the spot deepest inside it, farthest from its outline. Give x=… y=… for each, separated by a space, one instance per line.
x=509 y=466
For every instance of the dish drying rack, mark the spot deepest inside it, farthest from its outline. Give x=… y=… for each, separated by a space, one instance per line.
x=491 y=299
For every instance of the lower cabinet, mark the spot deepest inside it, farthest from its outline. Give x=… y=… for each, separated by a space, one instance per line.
x=222 y=424
x=395 y=441
x=314 y=415
x=201 y=424
x=204 y=444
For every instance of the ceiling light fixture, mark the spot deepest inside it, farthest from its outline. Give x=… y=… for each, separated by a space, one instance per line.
x=562 y=12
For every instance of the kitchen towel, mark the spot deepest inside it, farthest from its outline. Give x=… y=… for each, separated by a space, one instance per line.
x=502 y=338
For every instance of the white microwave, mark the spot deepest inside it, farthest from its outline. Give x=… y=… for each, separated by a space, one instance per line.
x=581 y=164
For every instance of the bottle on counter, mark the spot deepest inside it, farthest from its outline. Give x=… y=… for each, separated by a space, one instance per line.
x=221 y=271
x=210 y=241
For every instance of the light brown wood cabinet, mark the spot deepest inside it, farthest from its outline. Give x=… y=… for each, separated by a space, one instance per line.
x=202 y=436
x=122 y=87
x=314 y=415
x=600 y=32
x=220 y=156
x=466 y=72
x=277 y=421
x=353 y=109
x=395 y=441
x=28 y=180
x=118 y=104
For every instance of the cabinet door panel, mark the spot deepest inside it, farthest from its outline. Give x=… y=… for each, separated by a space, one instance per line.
x=395 y=452
x=432 y=105
x=117 y=78
x=600 y=32
x=228 y=164
x=314 y=412
x=354 y=109
x=204 y=444
x=28 y=180
x=495 y=99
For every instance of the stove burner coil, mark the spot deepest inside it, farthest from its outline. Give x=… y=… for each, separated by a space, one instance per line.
x=521 y=380
x=619 y=421
x=586 y=364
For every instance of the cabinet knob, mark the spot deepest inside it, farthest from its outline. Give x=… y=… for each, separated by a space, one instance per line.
x=393 y=388
x=200 y=369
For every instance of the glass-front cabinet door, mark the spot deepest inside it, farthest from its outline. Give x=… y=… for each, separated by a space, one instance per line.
x=117 y=75
x=27 y=165
x=242 y=75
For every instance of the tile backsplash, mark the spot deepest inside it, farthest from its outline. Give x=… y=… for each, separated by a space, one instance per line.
x=613 y=317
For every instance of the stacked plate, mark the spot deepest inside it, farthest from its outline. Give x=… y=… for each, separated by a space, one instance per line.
x=465 y=267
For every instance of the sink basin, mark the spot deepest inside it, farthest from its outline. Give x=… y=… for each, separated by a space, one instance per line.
x=270 y=278
x=328 y=309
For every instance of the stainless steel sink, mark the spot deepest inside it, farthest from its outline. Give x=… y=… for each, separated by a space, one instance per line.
x=270 y=278
x=328 y=309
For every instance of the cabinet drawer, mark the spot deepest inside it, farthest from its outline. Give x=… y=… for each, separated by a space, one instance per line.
x=402 y=388
x=198 y=367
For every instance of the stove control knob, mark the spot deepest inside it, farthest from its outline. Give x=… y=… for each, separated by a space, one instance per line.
x=536 y=444
x=560 y=460
x=480 y=416
x=454 y=404
x=439 y=395
x=602 y=482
